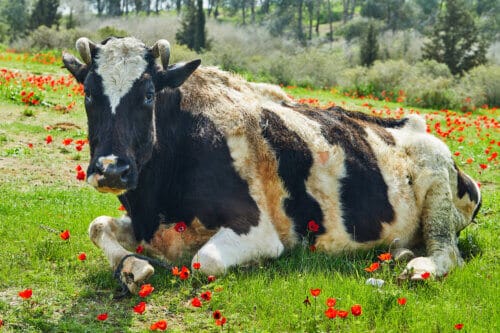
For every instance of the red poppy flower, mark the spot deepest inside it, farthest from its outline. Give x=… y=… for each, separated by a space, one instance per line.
x=342 y=313
x=80 y=175
x=1 y=322
x=139 y=249
x=216 y=314
x=196 y=265
x=373 y=267
x=312 y=226
x=145 y=290
x=82 y=256
x=330 y=302
x=184 y=274
x=385 y=256
x=207 y=295
x=196 y=302
x=483 y=166
x=331 y=313
x=30 y=145
x=122 y=208
x=221 y=322
x=79 y=147
x=315 y=292
x=469 y=160
x=78 y=168
x=102 y=316
x=356 y=310
x=64 y=235
x=180 y=227
x=175 y=271
x=401 y=301
x=26 y=293
x=459 y=326
x=67 y=141
x=460 y=139
x=211 y=278
x=140 y=308
x=159 y=325
x=457 y=153
x=48 y=139
x=425 y=275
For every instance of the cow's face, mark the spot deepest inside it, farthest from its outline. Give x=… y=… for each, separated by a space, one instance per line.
x=121 y=80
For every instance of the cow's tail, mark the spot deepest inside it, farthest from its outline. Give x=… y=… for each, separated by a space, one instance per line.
x=468 y=196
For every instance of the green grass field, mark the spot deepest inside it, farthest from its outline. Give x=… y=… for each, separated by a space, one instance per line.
x=40 y=196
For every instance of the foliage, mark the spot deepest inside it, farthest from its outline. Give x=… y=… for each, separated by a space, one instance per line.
x=455 y=40
x=15 y=16
x=369 y=47
x=45 y=13
x=192 y=32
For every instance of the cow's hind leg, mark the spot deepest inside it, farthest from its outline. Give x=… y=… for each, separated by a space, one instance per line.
x=228 y=248
x=114 y=236
x=439 y=220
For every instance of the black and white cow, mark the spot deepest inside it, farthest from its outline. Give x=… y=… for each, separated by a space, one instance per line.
x=246 y=168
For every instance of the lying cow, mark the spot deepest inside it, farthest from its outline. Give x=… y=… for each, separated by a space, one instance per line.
x=247 y=169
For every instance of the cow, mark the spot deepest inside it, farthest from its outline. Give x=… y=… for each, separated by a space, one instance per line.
x=251 y=173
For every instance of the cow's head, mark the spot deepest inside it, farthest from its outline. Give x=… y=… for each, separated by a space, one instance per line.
x=121 y=80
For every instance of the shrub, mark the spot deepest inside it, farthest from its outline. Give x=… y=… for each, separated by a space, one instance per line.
x=44 y=38
x=109 y=31
x=480 y=86
x=388 y=76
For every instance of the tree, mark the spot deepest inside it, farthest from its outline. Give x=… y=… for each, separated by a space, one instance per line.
x=455 y=40
x=192 y=32
x=45 y=13
x=15 y=16
x=369 y=47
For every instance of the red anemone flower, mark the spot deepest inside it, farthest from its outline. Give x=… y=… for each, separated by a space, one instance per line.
x=211 y=278
x=217 y=314
x=48 y=139
x=175 y=271
x=459 y=326
x=207 y=295
x=330 y=302
x=139 y=249
x=196 y=302
x=425 y=275
x=184 y=274
x=356 y=310
x=180 y=227
x=102 y=316
x=67 y=141
x=122 y=208
x=483 y=166
x=64 y=235
x=26 y=293
x=221 y=322
x=331 y=313
x=82 y=256
x=342 y=313
x=80 y=175
x=385 y=256
x=373 y=267
x=312 y=226
x=145 y=290
x=196 y=265
x=140 y=308
x=315 y=292
x=159 y=325
x=401 y=301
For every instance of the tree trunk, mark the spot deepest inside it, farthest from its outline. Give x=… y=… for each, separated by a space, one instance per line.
x=244 y=11
x=318 y=13
x=330 y=21
x=300 y=31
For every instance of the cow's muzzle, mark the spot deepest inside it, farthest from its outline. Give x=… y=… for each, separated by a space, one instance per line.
x=110 y=174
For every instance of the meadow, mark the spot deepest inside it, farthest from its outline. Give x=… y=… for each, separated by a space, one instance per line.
x=53 y=279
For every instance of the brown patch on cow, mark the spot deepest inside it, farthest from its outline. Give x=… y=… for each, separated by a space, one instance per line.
x=323 y=157
x=174 y=245
x=381 y=132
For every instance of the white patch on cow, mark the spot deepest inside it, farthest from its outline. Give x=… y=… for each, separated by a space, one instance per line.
x=106 y=161
x=226 y=248
x=120 y=62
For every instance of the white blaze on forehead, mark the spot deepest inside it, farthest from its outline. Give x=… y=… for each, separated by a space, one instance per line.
x=119 y=63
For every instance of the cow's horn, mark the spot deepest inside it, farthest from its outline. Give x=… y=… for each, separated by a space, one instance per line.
x=84 y=46
x=162 y=49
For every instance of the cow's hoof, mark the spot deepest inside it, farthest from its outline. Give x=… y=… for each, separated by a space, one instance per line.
x=402 y=254
x=134 y=272
x=420 y=268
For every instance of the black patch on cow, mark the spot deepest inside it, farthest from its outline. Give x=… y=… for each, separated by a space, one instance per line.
x=384 y=122
x=190 y=175
x=465 y=185
x=363 y=191
x=294 y=164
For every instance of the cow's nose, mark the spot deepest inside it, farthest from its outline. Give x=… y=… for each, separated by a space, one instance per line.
x=114 y=171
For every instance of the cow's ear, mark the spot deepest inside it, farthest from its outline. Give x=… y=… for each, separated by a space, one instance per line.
x=77 y=68
x=175 y=75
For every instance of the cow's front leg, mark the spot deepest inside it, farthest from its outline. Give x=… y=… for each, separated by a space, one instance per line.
x=113 y=236
x=228 y=248
x=439 y=220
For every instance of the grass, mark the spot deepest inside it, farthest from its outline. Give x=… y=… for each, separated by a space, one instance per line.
x=40 y=196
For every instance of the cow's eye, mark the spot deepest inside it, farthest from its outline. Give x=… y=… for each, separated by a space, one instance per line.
x=149 y=98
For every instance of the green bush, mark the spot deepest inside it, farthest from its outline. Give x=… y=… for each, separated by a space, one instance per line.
x=480 y=86
x=44 y=38
x=109 y=31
